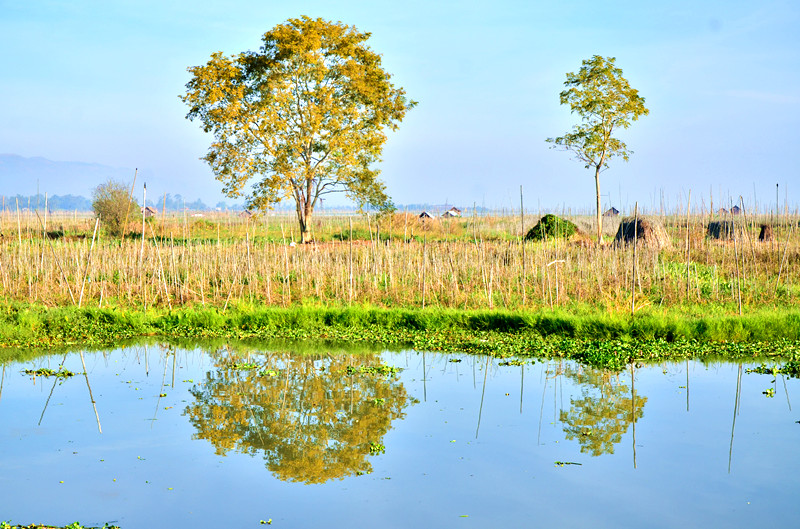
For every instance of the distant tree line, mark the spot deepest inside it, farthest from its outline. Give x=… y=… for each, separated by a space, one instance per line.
x=79 y=203
x=54 y=202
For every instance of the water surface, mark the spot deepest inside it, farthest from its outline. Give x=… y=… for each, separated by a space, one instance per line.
x=232 y=436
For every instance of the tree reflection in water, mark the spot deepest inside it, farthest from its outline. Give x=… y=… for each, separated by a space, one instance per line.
x=311 y=420
x=602 y=415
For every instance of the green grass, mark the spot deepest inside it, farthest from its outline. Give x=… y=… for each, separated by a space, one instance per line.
x=587 y=335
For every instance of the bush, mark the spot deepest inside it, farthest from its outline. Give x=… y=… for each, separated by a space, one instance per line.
x=111 y=202
x=551 y=226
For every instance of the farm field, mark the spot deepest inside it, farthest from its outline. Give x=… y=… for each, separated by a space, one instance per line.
x=471 y=283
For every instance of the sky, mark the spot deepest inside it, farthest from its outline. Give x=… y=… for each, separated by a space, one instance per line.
x=99 y=82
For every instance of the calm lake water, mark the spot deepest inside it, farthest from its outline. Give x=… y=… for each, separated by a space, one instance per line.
x=235 y=436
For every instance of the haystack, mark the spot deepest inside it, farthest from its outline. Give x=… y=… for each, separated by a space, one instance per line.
x=720 y=229
x=550 y=227
x=649 y=232
x=766 y=233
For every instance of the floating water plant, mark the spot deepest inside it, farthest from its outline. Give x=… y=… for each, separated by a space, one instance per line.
x=372 y=370
x=73 y=525
x=790 y=369
x=562 y=463
x=514 y=362
x=376 y=448
x=47 y=372
x=243 y=366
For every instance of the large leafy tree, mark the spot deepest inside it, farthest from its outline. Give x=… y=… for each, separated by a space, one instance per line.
x=304 y=116
x=605 y=102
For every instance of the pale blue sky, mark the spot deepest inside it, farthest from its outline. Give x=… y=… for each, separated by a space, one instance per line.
x=98 y=81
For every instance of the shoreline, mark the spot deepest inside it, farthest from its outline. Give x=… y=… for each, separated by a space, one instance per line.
x=589 y=336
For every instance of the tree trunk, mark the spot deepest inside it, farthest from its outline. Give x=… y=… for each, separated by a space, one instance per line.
x=303 y=221
x=599 y=212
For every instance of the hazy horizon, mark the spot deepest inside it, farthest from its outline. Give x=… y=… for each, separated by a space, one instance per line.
x=99 y=83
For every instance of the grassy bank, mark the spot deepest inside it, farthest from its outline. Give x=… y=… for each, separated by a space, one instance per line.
x=587 y=335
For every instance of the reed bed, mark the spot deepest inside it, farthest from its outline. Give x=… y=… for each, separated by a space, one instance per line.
x=473 y=262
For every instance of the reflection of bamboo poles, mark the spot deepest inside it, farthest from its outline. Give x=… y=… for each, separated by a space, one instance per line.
x=735 y=413
x=160 y=391
x=47 y=402
x=51 y=389
x=687 y=384
x=474 y=380
x=94 y=404
x=2 y=380
x=521 y=386
x=541 y=409
x=483 y=392
x=785 y=390
x=424 y=379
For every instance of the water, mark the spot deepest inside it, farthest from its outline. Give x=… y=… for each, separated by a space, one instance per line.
x=190 y=437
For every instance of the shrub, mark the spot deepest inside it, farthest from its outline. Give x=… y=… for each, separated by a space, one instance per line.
x=111 y=202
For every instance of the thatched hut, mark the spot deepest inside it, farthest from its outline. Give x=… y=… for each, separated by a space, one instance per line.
x=736 y=210
x=149 y=211
x=611 y=212
x=766 y=233
x=720 y=229
x=452 y=212
x=425 y=215
x=647 y=230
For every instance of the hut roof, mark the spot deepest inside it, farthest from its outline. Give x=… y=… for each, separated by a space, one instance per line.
x=149 y=211
x=735 y=210
x=246 y=214
x=611 y=212
x=425 y=215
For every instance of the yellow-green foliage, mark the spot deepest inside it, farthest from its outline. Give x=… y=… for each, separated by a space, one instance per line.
x=304 y=116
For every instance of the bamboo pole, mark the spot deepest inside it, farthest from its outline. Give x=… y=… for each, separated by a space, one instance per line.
x=130 y=201
x=635 y=241
x=88 y=262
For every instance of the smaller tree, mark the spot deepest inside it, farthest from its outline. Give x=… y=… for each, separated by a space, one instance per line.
x=112 y=203
x=605 y=102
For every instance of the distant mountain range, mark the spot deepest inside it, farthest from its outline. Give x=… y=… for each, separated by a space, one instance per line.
x=27 y=176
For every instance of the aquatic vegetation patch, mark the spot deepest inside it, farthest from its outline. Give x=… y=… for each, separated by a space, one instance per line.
x=73 y=525
x=790 y=369
x=47 y=372
x=382 y=370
